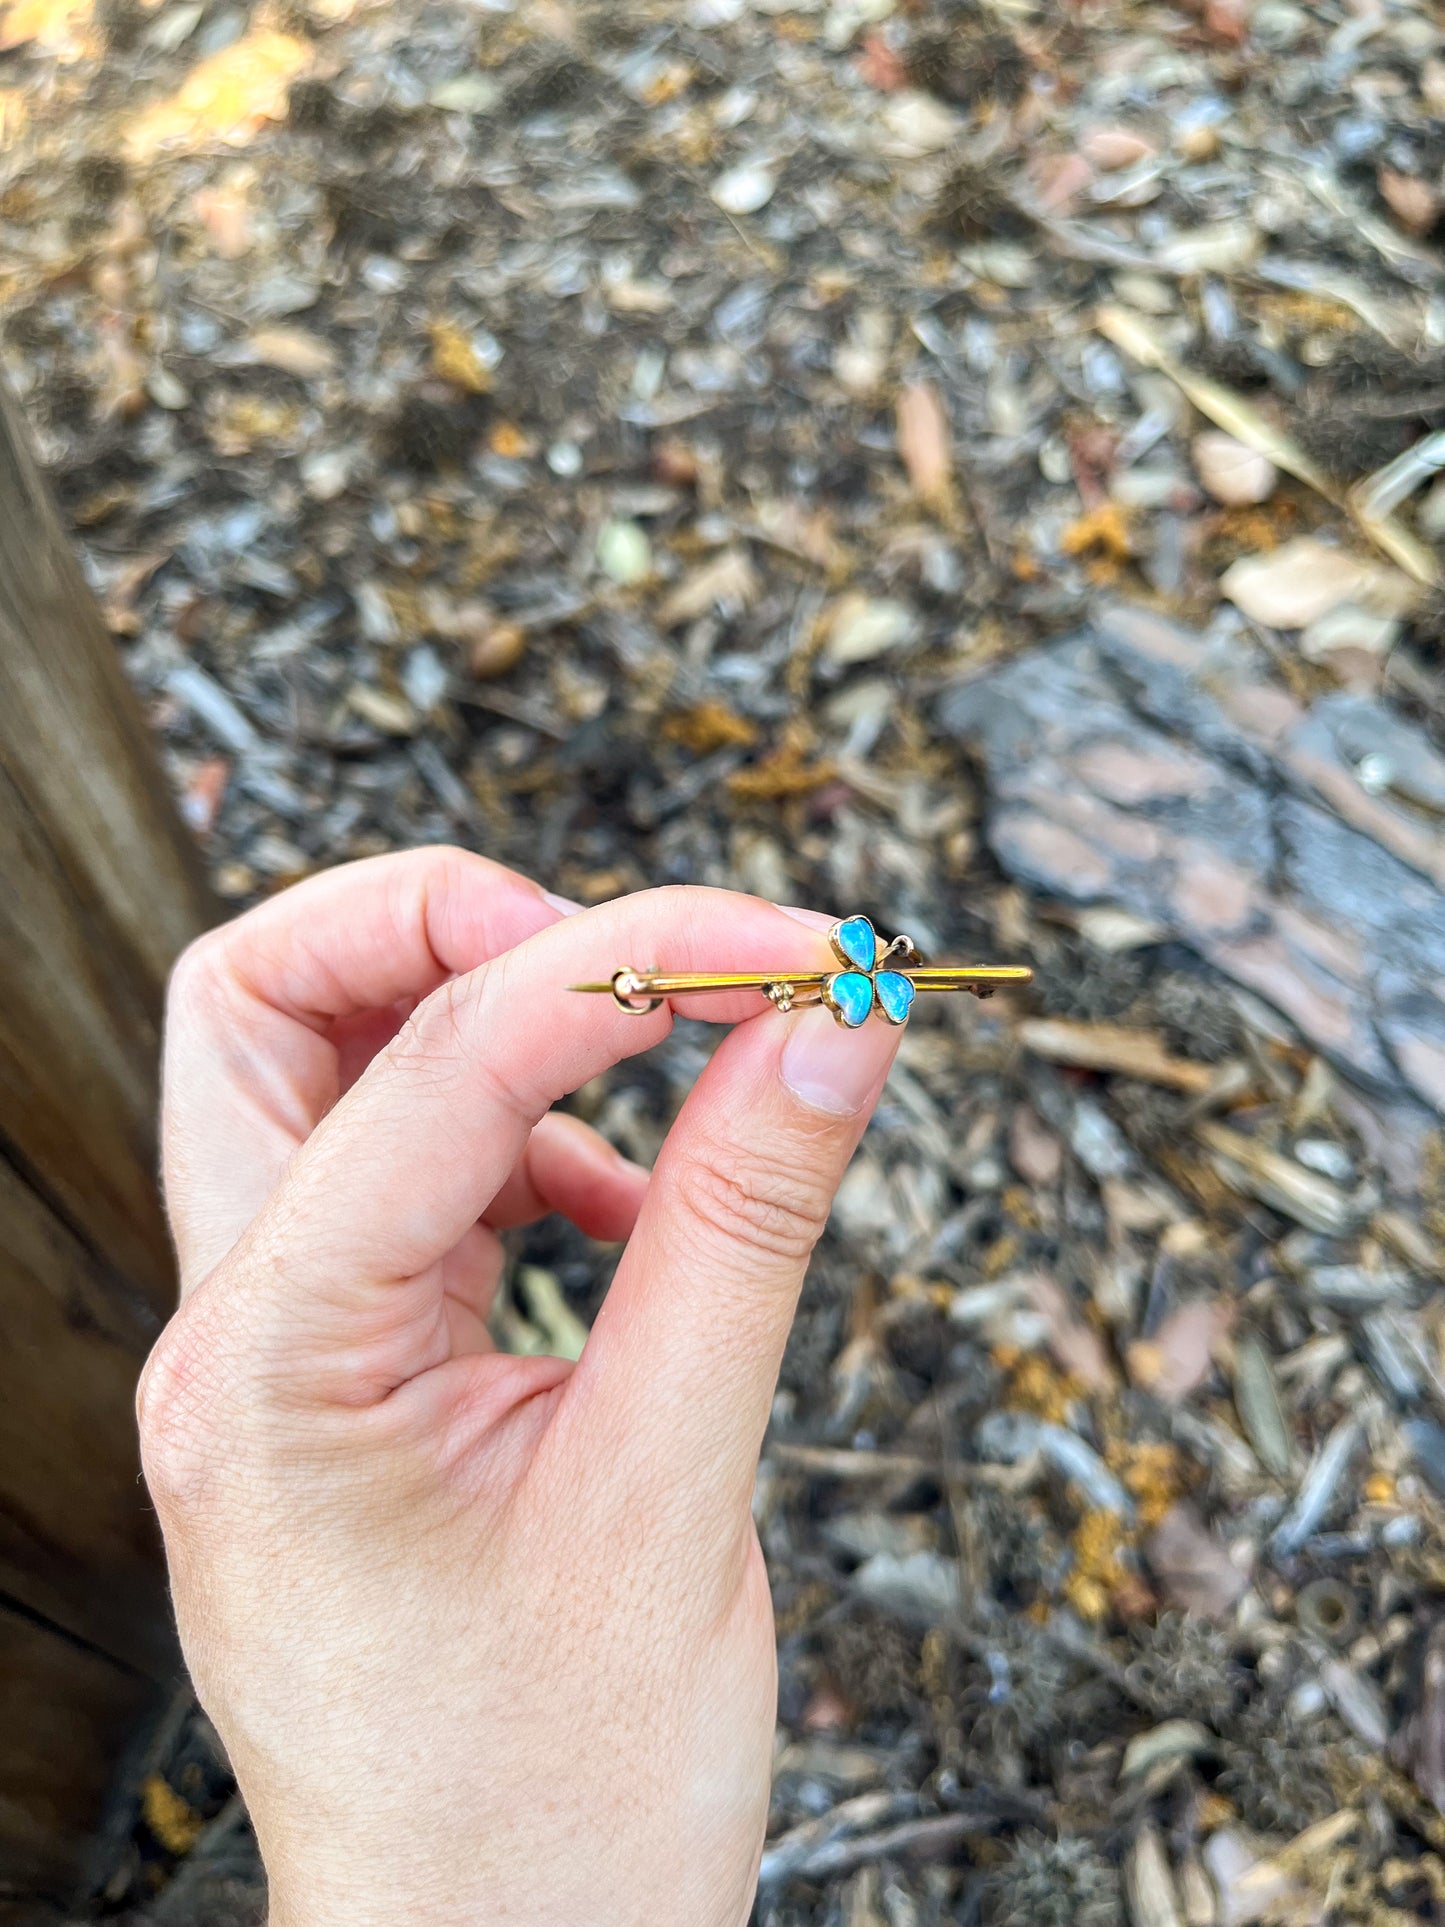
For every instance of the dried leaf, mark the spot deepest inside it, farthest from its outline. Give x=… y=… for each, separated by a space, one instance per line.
x=1319 y=1487
x=1195 y=1570
x=1256 y=1399
x=1077 y=1349
x=1180 y=1356
x=728 y=578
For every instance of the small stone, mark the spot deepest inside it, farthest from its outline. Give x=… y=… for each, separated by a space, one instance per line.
x=1277 y=25
x=1413 y=202
x=1292 y=586
x=165 y=391
x=493 y=646
x=424 y=678
x=914 y=124
x=744 y=189
x=325 y=473
x=1349 y=627
x=1198 y=143
x=391 y=714
x=624 y=553
x=862 y=628
x=1109 y=148
x=467 y=94
x=565 y=460
x=1230 y=471
x=1173 y=1740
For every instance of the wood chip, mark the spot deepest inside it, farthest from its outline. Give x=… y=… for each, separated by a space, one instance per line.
x=1114 y=1047
x=1278 y=1181
x=1148 y=1882
x=924 y=443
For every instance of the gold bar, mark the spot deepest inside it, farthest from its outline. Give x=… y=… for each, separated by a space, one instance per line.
x=656 y=983
x=963 y=976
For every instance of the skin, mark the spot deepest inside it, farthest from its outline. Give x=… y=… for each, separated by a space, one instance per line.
x=488 y=1639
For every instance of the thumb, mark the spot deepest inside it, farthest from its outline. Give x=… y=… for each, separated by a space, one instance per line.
x=685 y=1352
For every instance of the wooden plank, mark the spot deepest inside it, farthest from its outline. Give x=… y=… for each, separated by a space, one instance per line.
x=78 y=1539
x=72 y=738
x=103 y=889
x=78 y=1054
x=66 y=1714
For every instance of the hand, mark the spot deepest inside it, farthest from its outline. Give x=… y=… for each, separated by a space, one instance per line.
x=488 y=1638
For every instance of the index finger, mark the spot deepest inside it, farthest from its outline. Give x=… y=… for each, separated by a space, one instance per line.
x=249 y=1065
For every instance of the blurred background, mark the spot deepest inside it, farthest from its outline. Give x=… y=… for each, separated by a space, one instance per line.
x=973 y=464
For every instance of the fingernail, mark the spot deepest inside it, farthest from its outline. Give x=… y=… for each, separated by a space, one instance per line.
x=564 y=904
x=814 y=919
x=833 y=1069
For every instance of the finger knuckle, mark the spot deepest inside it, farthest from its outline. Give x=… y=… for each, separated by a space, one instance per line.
x=432 y=1042
x=737 y=1198
x=195 y=973
x=175 y=1417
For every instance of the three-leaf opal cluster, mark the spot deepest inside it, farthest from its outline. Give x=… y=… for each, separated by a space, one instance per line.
x=864 y=985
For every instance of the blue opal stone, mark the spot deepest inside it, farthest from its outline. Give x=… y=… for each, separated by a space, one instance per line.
x=857 y=942
x=895 y=995
x=852 y=995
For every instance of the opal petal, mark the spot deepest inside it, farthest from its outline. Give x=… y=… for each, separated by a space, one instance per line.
x=895 y=995
x=850 y=994
x=854 y=941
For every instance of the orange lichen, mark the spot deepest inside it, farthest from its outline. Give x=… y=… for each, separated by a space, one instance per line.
x=707 y=726
x=509 y=441
x=1103 y=532
x=455 y=360
x=1099 y=1543
x=1035 y=1385
x=173 y=1821
x=1152 y=1472
x=786 y=771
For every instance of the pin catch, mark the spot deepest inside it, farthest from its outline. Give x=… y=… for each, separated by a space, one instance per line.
x=875 y=977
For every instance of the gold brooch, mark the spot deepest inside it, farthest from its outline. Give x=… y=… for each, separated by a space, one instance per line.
x=874 y=977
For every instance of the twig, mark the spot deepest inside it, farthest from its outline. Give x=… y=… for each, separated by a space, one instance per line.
x=837 y=1462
